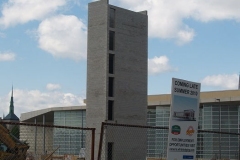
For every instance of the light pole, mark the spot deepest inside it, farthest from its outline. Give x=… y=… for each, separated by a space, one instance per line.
x=82 y=132
x=219 y=128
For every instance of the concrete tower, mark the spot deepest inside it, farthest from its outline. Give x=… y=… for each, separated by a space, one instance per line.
x=117 y=71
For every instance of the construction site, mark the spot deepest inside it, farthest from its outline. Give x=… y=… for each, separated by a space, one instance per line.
x=13 y=147
x=31 y=147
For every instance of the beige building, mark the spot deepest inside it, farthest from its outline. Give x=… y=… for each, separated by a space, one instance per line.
x=46 y=139
x=225 y=103
x=219 y=111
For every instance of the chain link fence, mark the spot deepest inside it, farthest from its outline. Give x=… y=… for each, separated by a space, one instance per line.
x=21 y=141
x=119 y=141
x=216 y=145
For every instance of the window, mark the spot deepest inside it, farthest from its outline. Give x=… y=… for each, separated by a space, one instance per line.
x=110 y=86
x=110 y=151
x=110 y=110
x=111 y=40
x=112 y=18
x=111 y=64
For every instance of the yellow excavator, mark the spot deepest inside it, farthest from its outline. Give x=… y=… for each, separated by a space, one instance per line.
x=11 y=147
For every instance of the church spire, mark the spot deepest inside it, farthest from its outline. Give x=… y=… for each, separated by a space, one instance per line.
x=11 y=116
x=11 y=107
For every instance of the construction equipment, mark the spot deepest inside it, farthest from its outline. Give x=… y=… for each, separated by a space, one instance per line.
x=14 y=148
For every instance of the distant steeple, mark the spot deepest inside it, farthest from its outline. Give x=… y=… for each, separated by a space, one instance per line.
x=11 y=108
x=11 y=115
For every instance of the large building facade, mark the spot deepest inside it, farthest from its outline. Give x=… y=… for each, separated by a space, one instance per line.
x=46 y=139
x=218 y=111
x=117 y=71
x=216 y=107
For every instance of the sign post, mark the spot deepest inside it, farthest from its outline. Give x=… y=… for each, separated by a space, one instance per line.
x=183 y=122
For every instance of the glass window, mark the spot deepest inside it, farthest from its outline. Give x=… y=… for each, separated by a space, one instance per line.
x=224 y=108
x=207 y=118
x=215 y=117
x=233 y=113
x=110 y=86
x=207 y=109
x=224 y=113
x=216 y=126
x=233 y=131
x=224 y=126
x=215 y=108
x=110 y=151
x=215 y=113
x=112 y=18
x=69 y=139
x=207 y=113
x=110 y=110
x=233 y=109
x=233 y=121
x=111 y=63
x=111 y=40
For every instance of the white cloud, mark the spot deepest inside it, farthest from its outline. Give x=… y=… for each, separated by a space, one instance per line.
x=7 y=56
x=159 y=65
x=63 y=36
x=51 y=86
x=223 y=81
x=22 y=11
x=166 y=17
x=32 y=100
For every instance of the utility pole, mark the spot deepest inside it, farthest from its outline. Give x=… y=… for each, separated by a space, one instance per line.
x=219 y=128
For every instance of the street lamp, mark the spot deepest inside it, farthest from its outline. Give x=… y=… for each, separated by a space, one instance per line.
x=219 y=128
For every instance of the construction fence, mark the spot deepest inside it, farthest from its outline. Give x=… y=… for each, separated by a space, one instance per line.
x=36 y=142
x=132 y=142
x=117 y=142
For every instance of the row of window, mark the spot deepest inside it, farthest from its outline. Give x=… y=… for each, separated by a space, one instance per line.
x=111 y=64
x=222 y=108
x=206 y=142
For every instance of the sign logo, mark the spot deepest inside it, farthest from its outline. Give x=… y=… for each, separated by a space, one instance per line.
x=176 y=130
x=190 y=131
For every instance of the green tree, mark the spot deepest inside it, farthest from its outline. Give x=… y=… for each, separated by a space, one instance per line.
x=15 y=131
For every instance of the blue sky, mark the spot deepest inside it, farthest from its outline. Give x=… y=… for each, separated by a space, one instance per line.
x=43 y=48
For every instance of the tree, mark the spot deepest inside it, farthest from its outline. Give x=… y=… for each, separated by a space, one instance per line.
x=15 y=131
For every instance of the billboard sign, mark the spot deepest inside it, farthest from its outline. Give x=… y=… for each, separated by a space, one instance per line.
x=183 y=121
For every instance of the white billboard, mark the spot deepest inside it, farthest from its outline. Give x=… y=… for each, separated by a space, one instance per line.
x=183 y=122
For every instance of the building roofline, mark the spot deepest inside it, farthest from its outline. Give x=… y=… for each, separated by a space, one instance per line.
x=29 y=115
x=205 y=97
x=225 y=96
